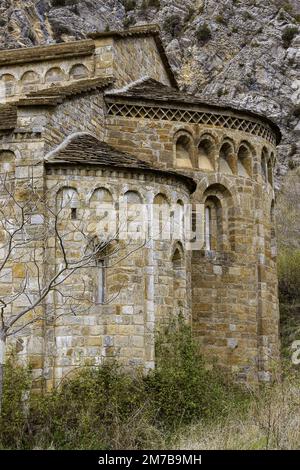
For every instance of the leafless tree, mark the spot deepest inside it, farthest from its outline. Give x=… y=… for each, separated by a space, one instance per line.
x=29 y=219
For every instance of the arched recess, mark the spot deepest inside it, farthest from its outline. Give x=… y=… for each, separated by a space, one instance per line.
x=161 y=218
x=179 y=286
x=184 y=150
x=264 y=164
x=29 y=81
x=227 y=159
x=273 y=230
x=102 y=213
x=79 y=71
x=206 y=153
x=67 y=203
x=132 y=221
x=7 y=163
x=177 y=221
x=55 y=74
x=7 y=85
x=270 y=169
x=245 y=160
x=219 y=227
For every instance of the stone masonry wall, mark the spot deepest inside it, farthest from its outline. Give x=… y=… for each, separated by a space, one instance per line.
x=139 y=286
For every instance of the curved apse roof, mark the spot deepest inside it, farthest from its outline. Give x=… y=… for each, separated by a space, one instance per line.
x=85 y=149
x=149 y=89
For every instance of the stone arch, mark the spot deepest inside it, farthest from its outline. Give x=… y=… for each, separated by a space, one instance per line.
x=184 y=149
x=264 y=164
x=7 y=162
x=55 y=74
x=78 y=71
x=270 y=169
x=206 y=153
x=177 y=220
x=7 y=85
x=227 y=158
x=132 y=217
x=29 y=80
x=67 y=203
x=179 y=281
x=219 y=227
x=161 y=217
x=273 y=230
x=102 y=213
x=245 y=160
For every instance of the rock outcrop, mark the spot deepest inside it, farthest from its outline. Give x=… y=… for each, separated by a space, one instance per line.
x=246 y=52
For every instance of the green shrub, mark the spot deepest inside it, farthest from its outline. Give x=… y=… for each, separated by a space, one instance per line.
x=288 y=35
x=220 y=19
x=289 y=275
x=63 y=3
x=129 y=5
x=129 y=21
x=247 y=15
x=203 y=33
x=182 y=387
x=154 y=3
x=13 y=418
x=107 y=408
x=150 y=3
x=172 y=25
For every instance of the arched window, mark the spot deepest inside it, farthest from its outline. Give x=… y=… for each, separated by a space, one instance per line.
x=273 y=231
x=245 y=161
x=29 y=81
x=227 y=161
x=213 y=224
x=99 y=250
x=67 y=203
x=206 y=154
x=179 y=283
x=7 y=85
x=184 y=151
x=264 y=160
x=7 y=162
x=79 y=71
x=208 y=228
x=55 y=74
x=101 y=281
x=177 y=227
x=270 y=169
x=219 y=226
x=103 y=213
x=161 y=218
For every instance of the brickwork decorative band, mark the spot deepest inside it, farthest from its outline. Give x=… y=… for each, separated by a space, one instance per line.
x=192 y=116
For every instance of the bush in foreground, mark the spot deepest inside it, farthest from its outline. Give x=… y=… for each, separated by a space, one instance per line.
x=106 y=408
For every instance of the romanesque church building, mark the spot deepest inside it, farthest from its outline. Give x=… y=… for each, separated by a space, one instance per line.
x=93 y=135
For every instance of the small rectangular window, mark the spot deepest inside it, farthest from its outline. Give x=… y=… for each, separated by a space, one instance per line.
x=101 y=282
x=73 y=213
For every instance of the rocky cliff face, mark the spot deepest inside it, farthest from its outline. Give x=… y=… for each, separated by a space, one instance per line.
x=242 y=51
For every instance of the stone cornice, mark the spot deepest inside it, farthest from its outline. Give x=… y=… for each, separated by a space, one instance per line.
x=48 y=52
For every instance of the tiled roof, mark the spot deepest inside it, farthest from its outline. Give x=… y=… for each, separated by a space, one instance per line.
x=56 y=93
x=50 y=51
x=8 y=117
x=84 y=149
x=154 y=91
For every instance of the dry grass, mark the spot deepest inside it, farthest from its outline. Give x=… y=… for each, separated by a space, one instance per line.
x=272 y=421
